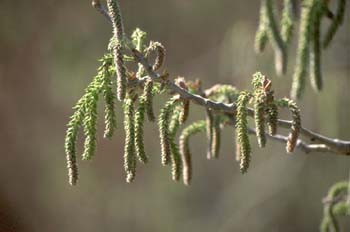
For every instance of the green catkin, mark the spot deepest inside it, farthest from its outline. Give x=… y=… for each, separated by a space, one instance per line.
x=287 y=21
x=302 y=57
x=138 y=38
x=189 y=131
x=110 y=117
x=89 y=123
x=242 y=130
x=259 y=116
x=70 y=141
x=118 y=31
x=209 y=128
x=129 y=148
x=160 y=54
x=139 y=141
x=215 y=149
x=261 y=37
x=163 y=123
x=276 y=39
x=184 y=111
x=175 y=153
x=260 y=102
x=337 y=21
x=315 y=48
x=296 y=123
x=332 y=209
x=148 y=95
x=341 y=209
x=272 y=113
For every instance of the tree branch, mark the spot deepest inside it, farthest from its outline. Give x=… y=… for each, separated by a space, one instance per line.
x=325 y=144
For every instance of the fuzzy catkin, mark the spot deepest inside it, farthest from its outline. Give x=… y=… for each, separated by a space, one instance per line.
x=315 y=48
x=272 y=114
x=129 y=148
x=139 y=133
x=160 y=54
x=276 y=39
x=110 y=117
x=261 y=37
x=242 y=130
x=287 y=21
x=215 y=149
x=118 y=31
x=163 y=123
x=337 y=21
x=176 y=162
x=209 y=128
x=296 y=123
x=302 y=57
x=259 y=116
x=184 y=111
x=189 y=131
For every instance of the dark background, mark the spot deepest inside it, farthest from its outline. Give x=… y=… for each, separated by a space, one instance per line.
x=48 y=54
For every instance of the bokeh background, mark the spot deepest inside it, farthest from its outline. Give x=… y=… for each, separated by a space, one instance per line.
x=48 y=54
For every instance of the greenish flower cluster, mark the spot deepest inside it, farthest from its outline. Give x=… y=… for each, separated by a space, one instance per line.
x=189 y=131
x=308 y=58
x=336 y=205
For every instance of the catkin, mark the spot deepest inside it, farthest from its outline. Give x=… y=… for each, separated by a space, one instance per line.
x=118 y=31
x=139 y=134
x=242 y=130
x=261 y=37
x=259 y=116
x=287 y=21
x=184 y=111
x=189 y=131
x=175 y=153
x=296 y=123
x=129 y=148
x=337 y=21
x=163 y=123
x=160 y=54
x=302 y=57
x=315 y=48
x=276 y=39
x=110 y=117
x=209 y=128
x=215 y=149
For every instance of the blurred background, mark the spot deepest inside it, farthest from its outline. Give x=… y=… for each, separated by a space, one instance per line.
x=48 y=55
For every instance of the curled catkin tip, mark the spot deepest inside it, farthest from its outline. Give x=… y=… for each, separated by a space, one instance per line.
x=160 y=54
x=189 y=131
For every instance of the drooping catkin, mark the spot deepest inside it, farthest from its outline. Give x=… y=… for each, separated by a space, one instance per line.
x=336 y=22
x=287 y=21
x=261 y=37
x=276 y=39
x=70 y=142
x=109 y=96
x=160 y=54
x=148 y=96
x=296 y=123
x=189 y=131
x=163 y=123
x=118 y=31
x=139 y=133
x=271 y=113
x=259 y=116
x=315 y=48
x=242 y=130
x=184 y=111
x=209 y=128
x=176 y=162
x=302 y=57
x=129 y=148
x=260 y=106
x=215 y=149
